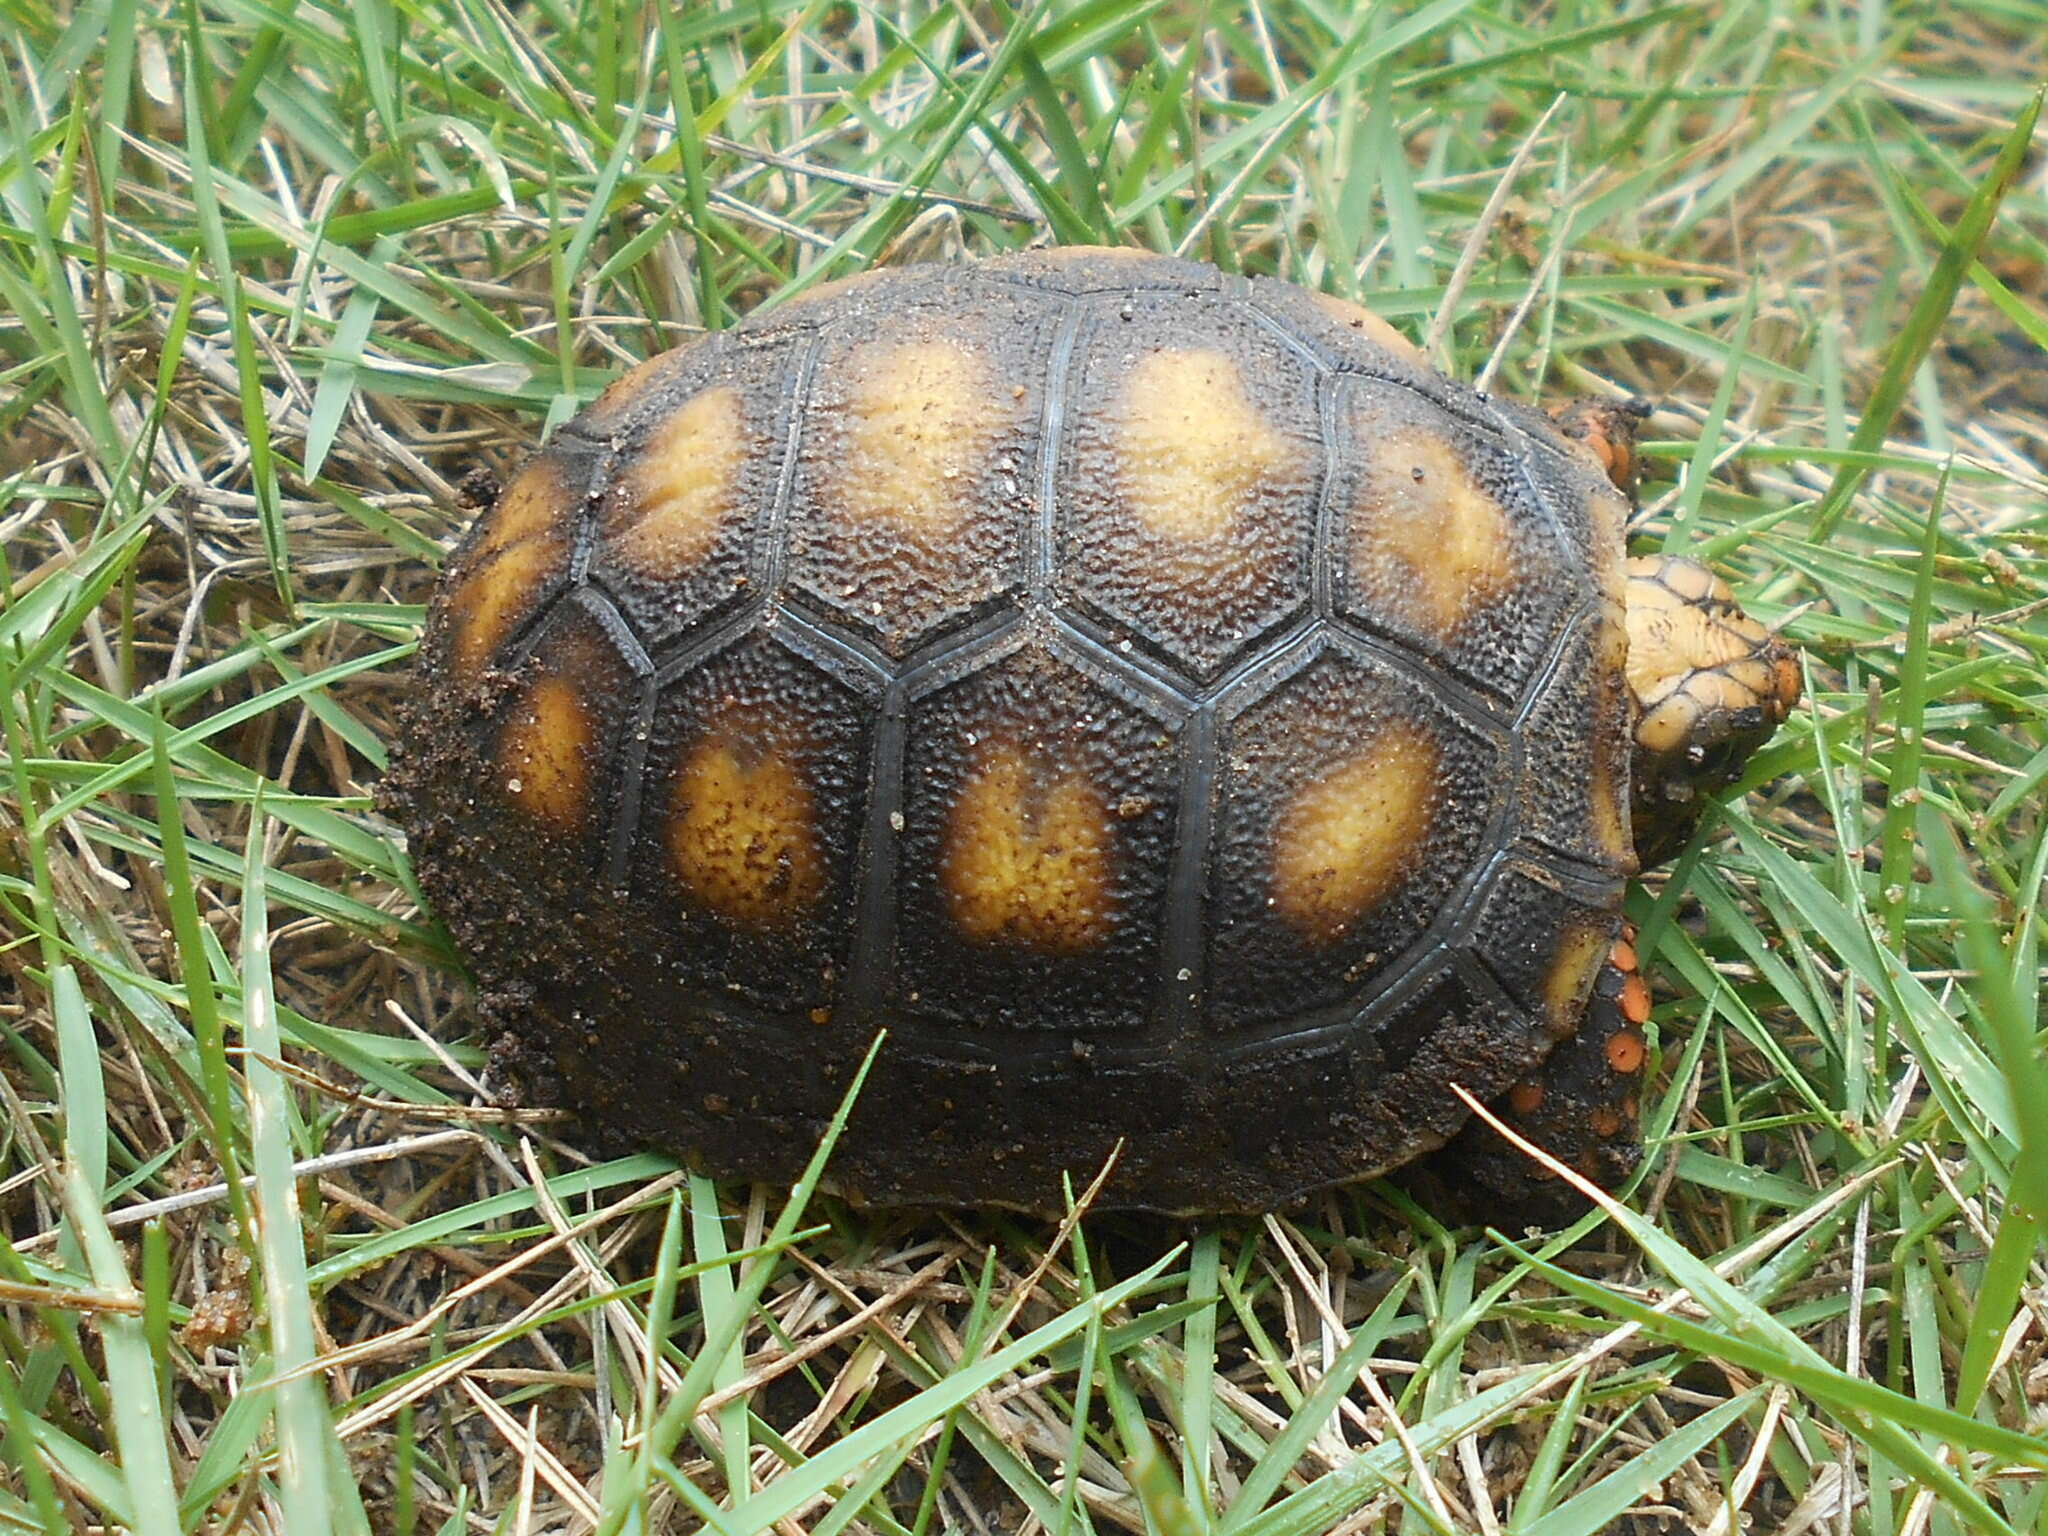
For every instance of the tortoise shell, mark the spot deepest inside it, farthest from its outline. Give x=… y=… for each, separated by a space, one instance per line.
x=1193 y=728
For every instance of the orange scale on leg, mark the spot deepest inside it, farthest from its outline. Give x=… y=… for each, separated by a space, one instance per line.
x=1626 y=1052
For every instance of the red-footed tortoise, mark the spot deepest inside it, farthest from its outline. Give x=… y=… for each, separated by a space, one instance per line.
x=1194 y=728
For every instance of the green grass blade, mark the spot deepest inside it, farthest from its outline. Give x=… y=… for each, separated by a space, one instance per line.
x=1308 y=1419
x=140 y=1429
x=659 y=1439
x=311 y=1503
x=715 y=1303
x=1600 y=1506
x=792 y=1492
x=1923 y=323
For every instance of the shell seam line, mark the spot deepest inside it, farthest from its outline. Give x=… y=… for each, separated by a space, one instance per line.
x=772 y=551
x=632 y=787
x=631 y=763
x=1183 y=978
x=1330 y=392
x=1039 y=557
x=846 y=650
x=1276 y=327
x=527 y=632
x=1583 y=877
x=1429 y=677
x=1546 y=670
x=598 y=604
x=1128 y=674
x=874 y=939
x=939 y=667
x=585 y=543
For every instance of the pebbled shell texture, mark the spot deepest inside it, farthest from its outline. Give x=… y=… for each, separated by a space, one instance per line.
x=1194 y=729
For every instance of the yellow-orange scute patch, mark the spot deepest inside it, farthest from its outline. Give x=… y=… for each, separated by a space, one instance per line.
x=1192 y=448
x=743 y=834
x=683 y=488
x=545 y=753
x=1369 y=325
x=1027 y=854
x=1425 y=536
x=1607 y=782
x=493 y=599
x=537 y=503
x=525 y=537
x=1065 y=255
x=1572 y=973
x=1344 y=841
x=917 y=432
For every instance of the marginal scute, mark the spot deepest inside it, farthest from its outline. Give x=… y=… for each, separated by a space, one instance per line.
x=742 y=834
x=683 y=487
x=1192 y=445
x=536 y=504
x=1572 y=973
x=1607 y=514
x=1443 y=545
x=545 y=752
x=1026 y=854
x=835 y=289
x=1607 y=769
x=525 y=536
x=627 y=389
x=1067 y=254
x=917 y=430
x=1345 y=840
x=1369 y=325
x=1610 y=829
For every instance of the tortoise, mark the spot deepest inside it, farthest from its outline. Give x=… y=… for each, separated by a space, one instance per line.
x=1195 y=730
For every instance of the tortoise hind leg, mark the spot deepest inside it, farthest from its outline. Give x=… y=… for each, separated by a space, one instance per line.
x=1580 y=1106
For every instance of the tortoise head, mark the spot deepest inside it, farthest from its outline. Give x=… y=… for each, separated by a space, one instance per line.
x=1710 y=684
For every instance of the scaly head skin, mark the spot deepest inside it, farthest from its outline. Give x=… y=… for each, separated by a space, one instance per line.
x=1711 y=685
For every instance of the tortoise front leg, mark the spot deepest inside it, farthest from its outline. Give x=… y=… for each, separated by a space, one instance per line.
x=1581 y=1106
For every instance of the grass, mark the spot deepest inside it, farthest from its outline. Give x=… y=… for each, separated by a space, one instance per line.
x=273 y=278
